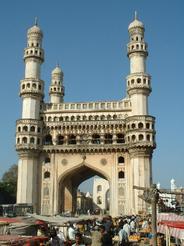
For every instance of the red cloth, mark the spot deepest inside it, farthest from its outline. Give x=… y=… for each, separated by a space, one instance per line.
x=9 y=220
x=172 y=223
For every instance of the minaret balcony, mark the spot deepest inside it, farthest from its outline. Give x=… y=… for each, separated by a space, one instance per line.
x=34 y=52
x=31 y=86
x=140 y=122
x=29 y=126
x=137 y=47
x=139 y=81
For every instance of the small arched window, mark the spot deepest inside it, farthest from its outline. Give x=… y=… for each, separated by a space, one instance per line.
x=46 y=175
x=121 y=175
x=38 y=141
x=148 y=137
x=147 y=125
x=19 y=129
x=138 y=80
x=133 y=138
x=60 y=140
x=48 y=140
x=120 y=138
x=108 y=139
x=141 y=137
x=71 y=139
x=32 y=128
x=133 y=125
x=102 y=117
x=121 y=160
x=18 y=140
x=24 y=140
x=34 y=86
x=140 y=125
x=23 y=86
x=132 y=81
x=32 y=140
x=47 y=160
x=95 y=139
x=99 y=188
x=49 y=118
x=99 y=200
x=25 y=128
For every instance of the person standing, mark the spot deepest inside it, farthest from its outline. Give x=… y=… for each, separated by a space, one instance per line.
x=106 y=239
x=96 y=237
x=78 y=240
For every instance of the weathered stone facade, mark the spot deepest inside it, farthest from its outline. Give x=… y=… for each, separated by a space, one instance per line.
x=62 y=144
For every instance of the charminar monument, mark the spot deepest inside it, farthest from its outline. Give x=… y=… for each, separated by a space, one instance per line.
x=61 y=144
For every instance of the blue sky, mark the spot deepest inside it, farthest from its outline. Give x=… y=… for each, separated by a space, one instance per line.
x=89 y=38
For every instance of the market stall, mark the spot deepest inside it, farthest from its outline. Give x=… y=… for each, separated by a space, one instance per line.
x=171 y=225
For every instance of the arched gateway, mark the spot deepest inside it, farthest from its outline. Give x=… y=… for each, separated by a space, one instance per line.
x=62 y=144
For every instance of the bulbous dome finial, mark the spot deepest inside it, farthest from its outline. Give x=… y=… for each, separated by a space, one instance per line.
x=35 y=30
x=136 y=23
x=57 y=69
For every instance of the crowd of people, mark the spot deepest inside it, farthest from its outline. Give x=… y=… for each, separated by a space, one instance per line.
x=97 y=232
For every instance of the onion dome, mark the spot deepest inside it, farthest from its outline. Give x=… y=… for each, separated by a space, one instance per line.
x=57 y=73
x=35 y=30
x=57 y=70
x=136 y=23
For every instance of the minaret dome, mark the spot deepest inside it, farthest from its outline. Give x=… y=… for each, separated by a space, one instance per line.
x=136 y=23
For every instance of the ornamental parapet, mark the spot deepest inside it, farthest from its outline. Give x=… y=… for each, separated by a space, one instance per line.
x=140 y=151
x=88 y=106
x=86 y=124
x=28 y=147
x=31 y=86
x=84 y=149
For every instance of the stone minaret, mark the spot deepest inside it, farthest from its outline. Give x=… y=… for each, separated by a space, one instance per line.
x=140 y=126
x=29 y=127
x=56 y=90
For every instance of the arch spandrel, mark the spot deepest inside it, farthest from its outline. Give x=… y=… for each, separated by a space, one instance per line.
x=93 y=170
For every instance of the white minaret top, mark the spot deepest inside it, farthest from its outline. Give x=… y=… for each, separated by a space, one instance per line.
x=56 y=90
x=138 y=82
x=158 y=185
x=173 y=184
x=32 y=87
x=136 y=23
